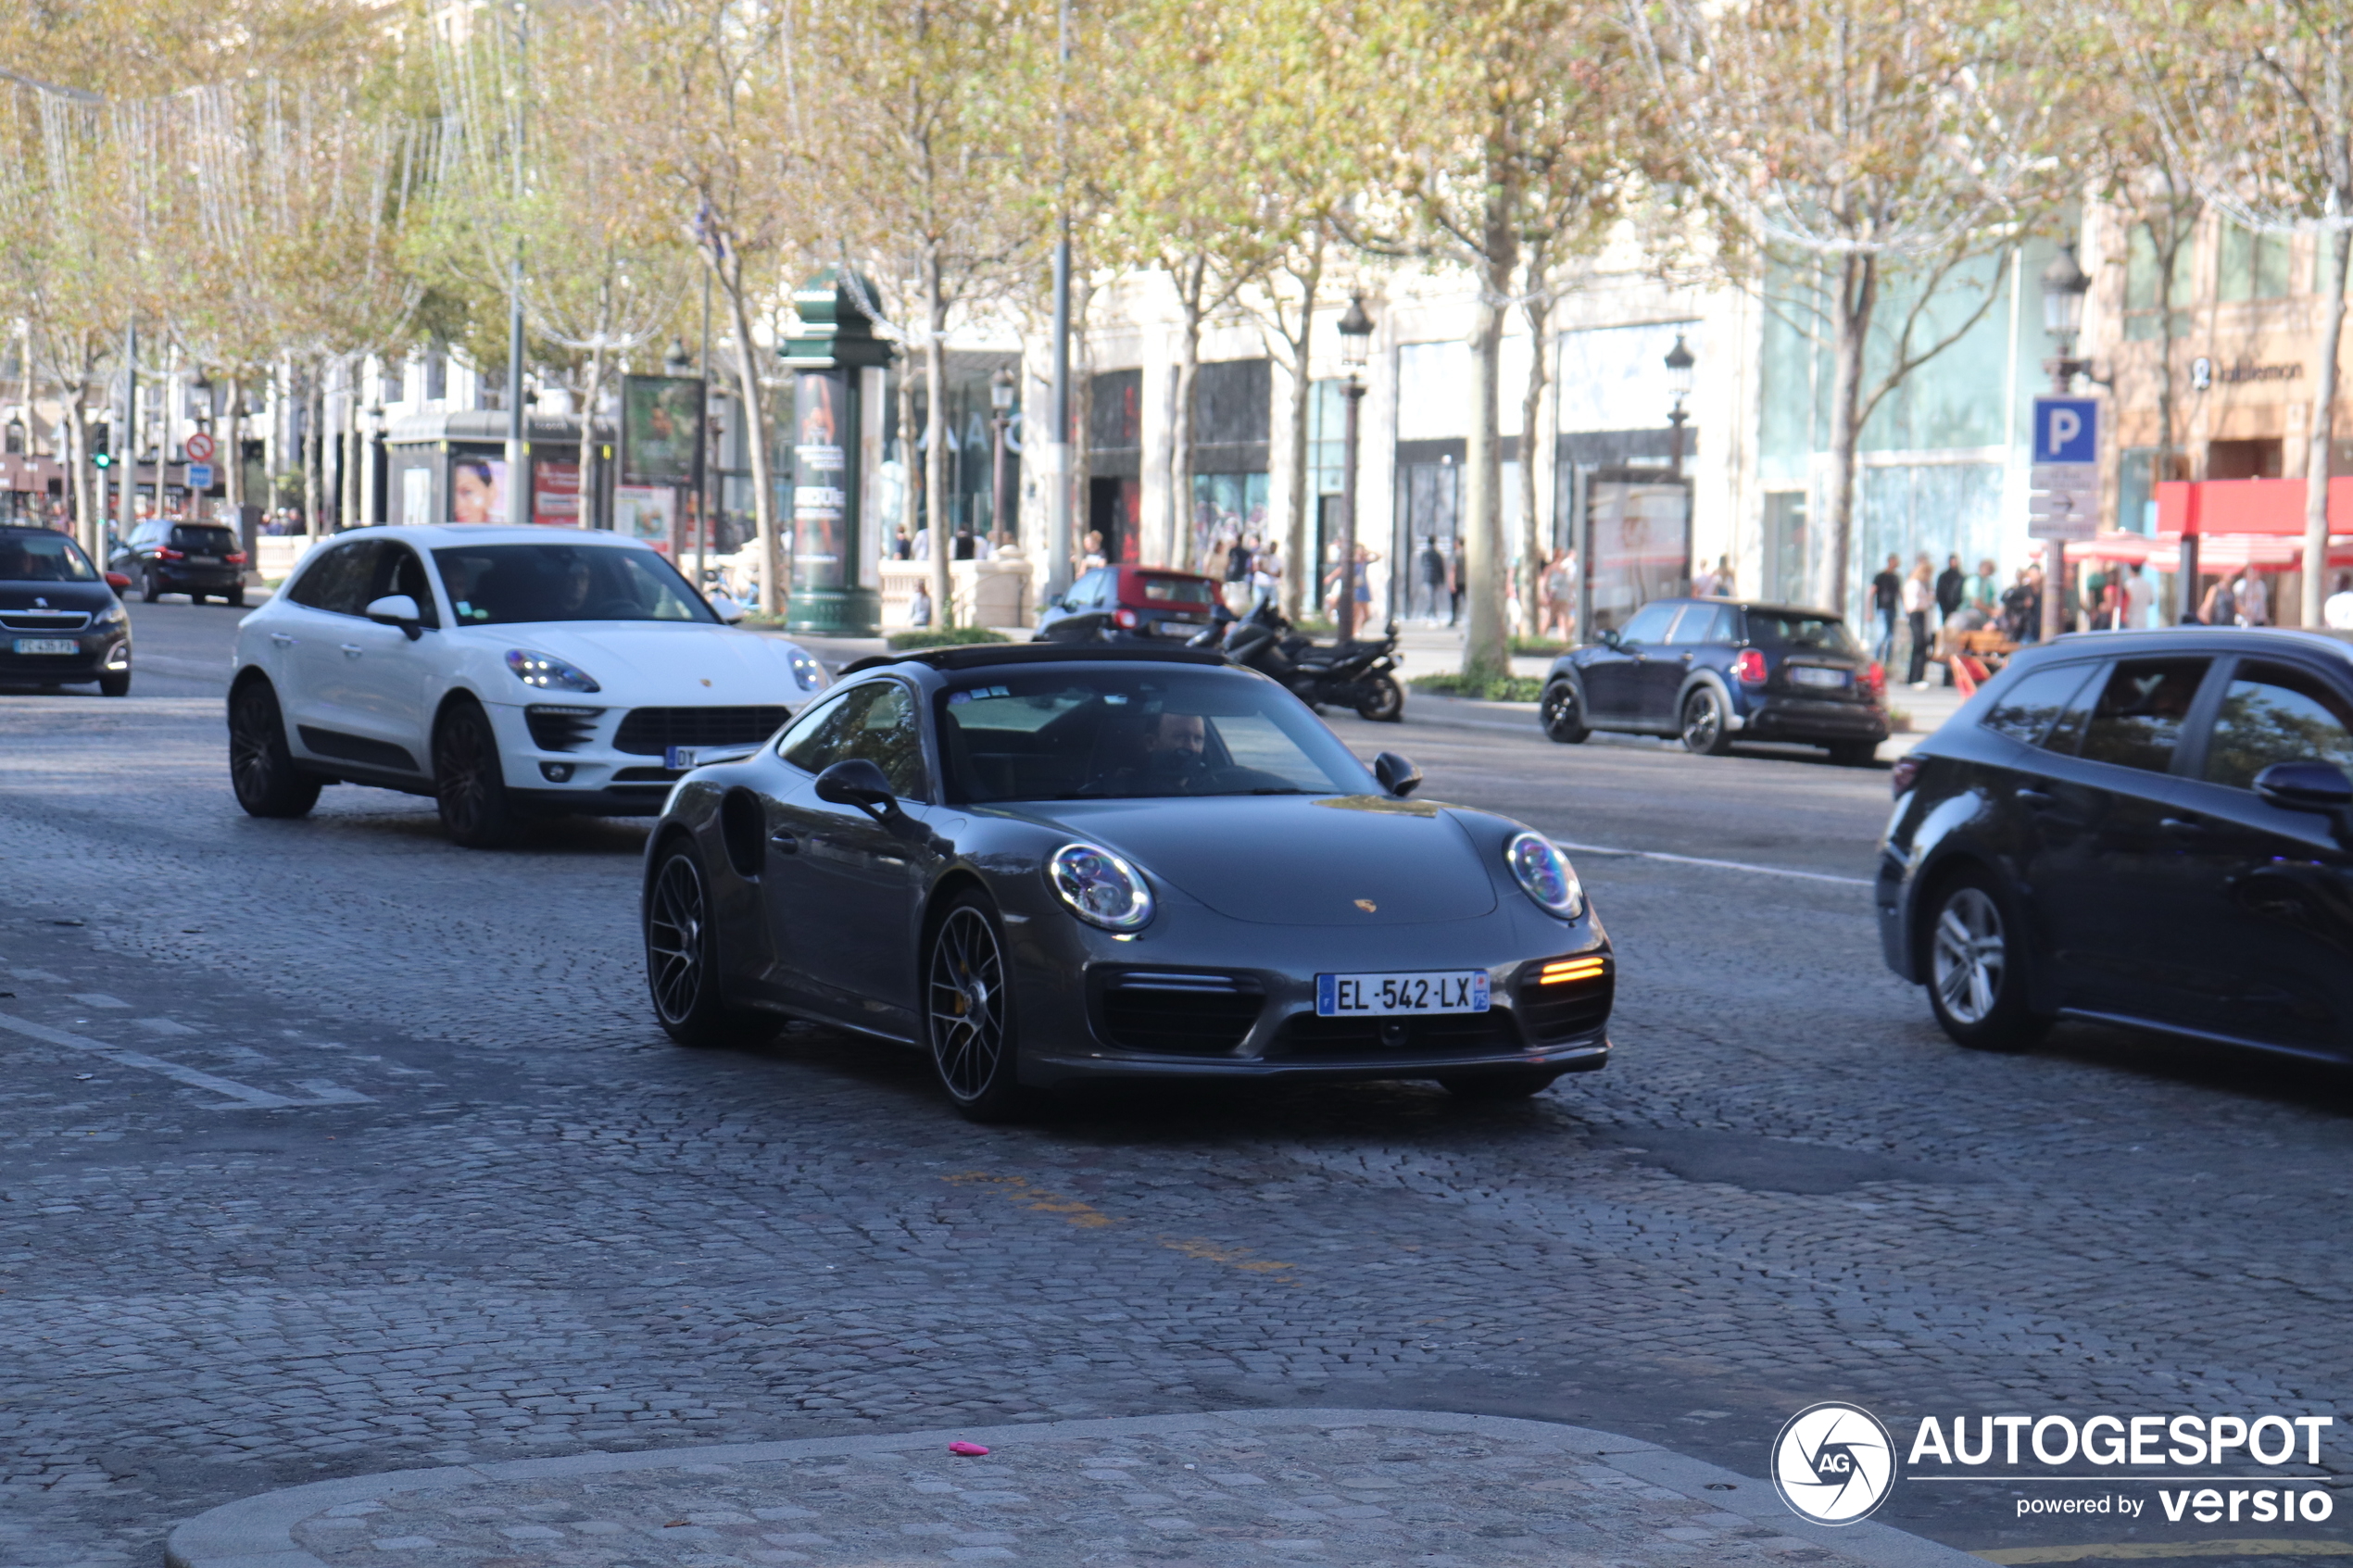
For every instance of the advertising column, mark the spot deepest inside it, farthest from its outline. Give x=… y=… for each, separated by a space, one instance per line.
x=830 y=592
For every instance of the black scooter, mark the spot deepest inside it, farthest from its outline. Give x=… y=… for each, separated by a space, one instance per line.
x=1352 y=674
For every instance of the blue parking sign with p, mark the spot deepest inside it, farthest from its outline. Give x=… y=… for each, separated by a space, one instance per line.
x=2066 y=429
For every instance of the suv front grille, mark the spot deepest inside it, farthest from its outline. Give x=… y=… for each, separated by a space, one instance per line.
x=1431 y=1034
x=650 y=732
x=1178 y=1013
x=560 y=729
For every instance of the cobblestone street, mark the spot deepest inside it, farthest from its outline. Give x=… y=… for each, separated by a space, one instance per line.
x=329 y=1149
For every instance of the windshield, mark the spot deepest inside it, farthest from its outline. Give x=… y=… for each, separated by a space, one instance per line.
x=43 y=558
x=1798 y=633
x=211 y=541
x=499 y=585
x=1175 y=589
x=1065 y=733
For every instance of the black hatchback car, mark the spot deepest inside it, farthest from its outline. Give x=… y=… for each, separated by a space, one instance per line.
x=1713 y=672
x=2143 y=828
x=60 y=622
x=200 y=559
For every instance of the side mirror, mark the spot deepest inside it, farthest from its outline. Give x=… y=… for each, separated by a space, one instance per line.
x=1609 y=638
x=727 y=607
x=397 y=610
x=2304 y=786
x=1056 y=603
x=119 y=582
x=858 y=782
x=1397 y=775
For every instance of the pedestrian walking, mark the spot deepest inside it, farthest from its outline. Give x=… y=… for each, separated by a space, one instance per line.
x=1431 y=563
x=2337 y=614
x=1887 y=592
x=1920 y=598
x=1453 y=580
x=2253 y=598
x=2216 y=607
x=1952 y=587
x=2137 y=596
x=1560 y=594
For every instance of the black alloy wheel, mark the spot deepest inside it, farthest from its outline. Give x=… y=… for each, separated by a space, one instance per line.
x=236 y=597
x=469 y=784
x=1854 y=753
x=1502 y=1083
x=1558 y=712
x=1977 y=966
x=261 y=770
x=682 y=960
x=968 y=1014
x=149 y=589
x=1384 y=700
x=1704 y=731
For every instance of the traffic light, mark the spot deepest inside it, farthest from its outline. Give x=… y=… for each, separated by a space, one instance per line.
x=99 y=455
x=102 y=458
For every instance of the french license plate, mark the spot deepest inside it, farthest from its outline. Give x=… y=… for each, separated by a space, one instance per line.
x=1810 y=675
x=1178 y=628
x=1386 y=996
x=204 y=560
x=48 y=645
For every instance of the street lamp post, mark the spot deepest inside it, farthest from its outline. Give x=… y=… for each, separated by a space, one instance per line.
x=2064 y=286
x=1356 y=347
x=1000 y=400
x=1680 y=366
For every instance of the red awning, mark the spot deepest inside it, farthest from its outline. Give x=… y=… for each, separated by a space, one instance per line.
x=2247 y=506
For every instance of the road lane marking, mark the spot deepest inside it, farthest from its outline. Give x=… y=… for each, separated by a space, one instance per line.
x=163 y=1026
x=245 y=1096
x=326 y=1091
x=1720 y=865
x=95 y=999
x=1085 y=1216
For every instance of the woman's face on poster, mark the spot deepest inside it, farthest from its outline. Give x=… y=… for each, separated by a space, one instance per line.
x=472 y=494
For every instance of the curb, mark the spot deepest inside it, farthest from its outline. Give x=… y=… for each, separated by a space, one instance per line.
x=257 y=1532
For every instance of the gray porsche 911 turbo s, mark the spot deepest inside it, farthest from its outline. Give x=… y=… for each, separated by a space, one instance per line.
x=1048 y=865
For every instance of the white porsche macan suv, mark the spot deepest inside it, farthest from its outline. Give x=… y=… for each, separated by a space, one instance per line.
x=504 y=671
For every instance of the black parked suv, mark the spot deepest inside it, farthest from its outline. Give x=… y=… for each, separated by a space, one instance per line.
x=200 y=559
x=1714 y=670
x=2143 y=828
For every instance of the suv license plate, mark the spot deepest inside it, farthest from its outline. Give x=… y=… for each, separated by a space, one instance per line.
x=48 y=645
x=204 y=560
x=1388 y=996
x=1810 y=675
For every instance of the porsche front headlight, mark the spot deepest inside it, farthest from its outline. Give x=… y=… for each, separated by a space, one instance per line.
x=1545 y=875
x=1099 y=887
x=549 y=674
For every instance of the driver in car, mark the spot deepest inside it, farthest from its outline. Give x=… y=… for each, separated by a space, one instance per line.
x=1173 y=760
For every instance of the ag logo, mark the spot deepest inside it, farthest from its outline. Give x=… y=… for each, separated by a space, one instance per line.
x=1833 y=1464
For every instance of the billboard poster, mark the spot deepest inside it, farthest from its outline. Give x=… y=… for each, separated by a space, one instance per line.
x=644 y=511
x=555 y=495
x=660 y=430
x=477 y=490
x=820 y=526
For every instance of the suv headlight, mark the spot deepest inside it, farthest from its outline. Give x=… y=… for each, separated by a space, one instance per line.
x=548 y=674
x=1099 y=887
x=1545 y=875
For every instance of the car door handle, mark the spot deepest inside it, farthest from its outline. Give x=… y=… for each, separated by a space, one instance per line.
x=2038 y=799
x=282 y=640
x=786 y=841
x=2182 y=827
x=352 y=650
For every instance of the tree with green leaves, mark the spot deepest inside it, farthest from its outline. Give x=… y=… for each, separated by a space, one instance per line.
x=1500 y=128
x=932 y=173
x=2258 y=100
x=1875 y=151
